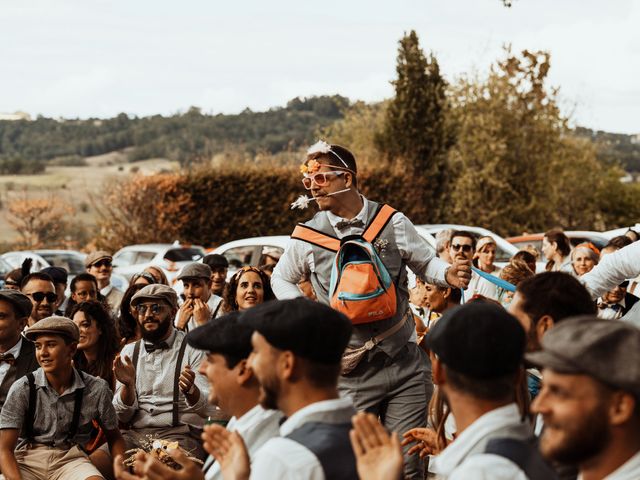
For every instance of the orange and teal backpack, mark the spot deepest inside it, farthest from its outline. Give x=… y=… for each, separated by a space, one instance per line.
x=361 y=286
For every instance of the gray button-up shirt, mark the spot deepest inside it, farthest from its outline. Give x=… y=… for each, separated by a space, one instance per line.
x=54 y=412
x=155 y=372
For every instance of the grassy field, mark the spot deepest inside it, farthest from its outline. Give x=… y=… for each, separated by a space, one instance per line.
x=79 y=186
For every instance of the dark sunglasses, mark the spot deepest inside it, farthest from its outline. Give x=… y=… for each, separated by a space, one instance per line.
x=142 y=308
x=464 y=248
x=39 y=296
x=102 y=263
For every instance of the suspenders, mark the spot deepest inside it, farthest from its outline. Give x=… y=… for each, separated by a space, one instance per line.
x=176 y=377
x=31 y=410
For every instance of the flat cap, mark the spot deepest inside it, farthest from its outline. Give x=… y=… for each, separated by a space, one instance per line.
x=21 y=303
x=195 y=270
x=54 y=326
x=215 y=260
x=309 y=329
x=95 y=257
x=607 y=350
x=478 y=339
x=223 y=335
x=156 y=291
x=58 y=274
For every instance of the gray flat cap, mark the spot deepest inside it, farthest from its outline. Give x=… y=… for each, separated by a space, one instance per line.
x=195 y=270
x=21 y=303
x=156 y=292
x=54 y=326
x=607 y=350
x=95 y=257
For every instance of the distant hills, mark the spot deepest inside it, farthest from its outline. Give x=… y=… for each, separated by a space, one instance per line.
x=28 y=146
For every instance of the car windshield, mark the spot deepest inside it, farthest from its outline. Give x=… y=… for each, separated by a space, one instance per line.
x=70 y=262
x=184 y=254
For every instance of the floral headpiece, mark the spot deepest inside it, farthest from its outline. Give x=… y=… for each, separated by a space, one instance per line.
x=313 y=166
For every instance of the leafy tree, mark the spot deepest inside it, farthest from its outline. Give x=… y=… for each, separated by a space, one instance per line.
x=39 y=222
x=416 y=134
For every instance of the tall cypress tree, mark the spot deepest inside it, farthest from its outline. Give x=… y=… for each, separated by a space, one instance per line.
x=415 y=135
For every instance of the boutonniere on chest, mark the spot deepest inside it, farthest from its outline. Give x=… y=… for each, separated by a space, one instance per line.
x=380 y=245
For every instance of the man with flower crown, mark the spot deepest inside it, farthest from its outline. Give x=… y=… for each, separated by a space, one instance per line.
x=384 y=371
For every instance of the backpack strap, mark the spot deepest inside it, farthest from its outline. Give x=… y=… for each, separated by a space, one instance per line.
x=315 y=237
x=31 y=408
x=378 y=223
x=77 y=409
x=525 y=454
x=176 y=379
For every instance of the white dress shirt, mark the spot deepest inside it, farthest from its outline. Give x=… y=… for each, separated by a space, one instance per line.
x=297 y=260
x=455 y=463
x=612 y=270
x=155 y=371
x=285 y=459
x=255 y=427
x=15 y=351
x=630 y=470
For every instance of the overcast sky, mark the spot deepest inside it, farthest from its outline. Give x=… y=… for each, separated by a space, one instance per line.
x=96 y=58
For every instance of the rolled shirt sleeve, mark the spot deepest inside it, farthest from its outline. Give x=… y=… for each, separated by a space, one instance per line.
x=292 y=267
x=15 y=406
x=612 y=270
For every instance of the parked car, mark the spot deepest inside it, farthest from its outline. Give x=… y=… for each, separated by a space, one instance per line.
x=576 y=237
x=4 y=269
x=16 y=258
x=171 y=257
x=249 y=251
x=72 y=261
x=504 y=250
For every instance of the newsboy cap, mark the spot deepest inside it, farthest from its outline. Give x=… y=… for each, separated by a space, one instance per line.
x=478 y=339
x=58 y=274
x=607 y=350
x=223 y=335
x=195 y=270
x=215 y=260
x=156 y=291
x=95 y=257
x=21 y=303
x=309 y=329
x=54 y=326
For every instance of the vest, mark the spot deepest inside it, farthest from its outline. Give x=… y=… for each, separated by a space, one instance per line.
x=517 y=444
x=25 y=363
x=321 y=276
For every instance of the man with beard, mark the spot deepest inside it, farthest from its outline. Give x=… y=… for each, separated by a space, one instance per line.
x=297 y=348
x=233 y=387
x=40 y=289
x=159 y=392
x=590 y=397
x=540 y=303
x=386 y=372
x=200 y=304
x=99 y=265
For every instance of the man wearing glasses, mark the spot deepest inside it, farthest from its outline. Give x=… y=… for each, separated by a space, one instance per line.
x=41 y=291
x=99 y=265
x=159 y=393
x=463 y=247
x=393 y=379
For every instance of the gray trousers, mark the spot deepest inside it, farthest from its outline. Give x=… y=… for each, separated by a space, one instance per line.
x=396 y=389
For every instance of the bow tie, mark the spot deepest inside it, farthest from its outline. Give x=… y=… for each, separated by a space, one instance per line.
x=9 y=358
x=152 y=347
x=355 y=222
x=614 y=306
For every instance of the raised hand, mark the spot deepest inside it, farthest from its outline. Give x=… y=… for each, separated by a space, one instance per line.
x=229 y=450
x=201 y=312
x=378 y=454
x=425 y=440
x=459 y=273
x=185 y=313
x=187 y=379
x=124 y=370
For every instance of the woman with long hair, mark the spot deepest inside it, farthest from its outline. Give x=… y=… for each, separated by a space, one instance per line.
x=248 y=287
x=98 y=344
